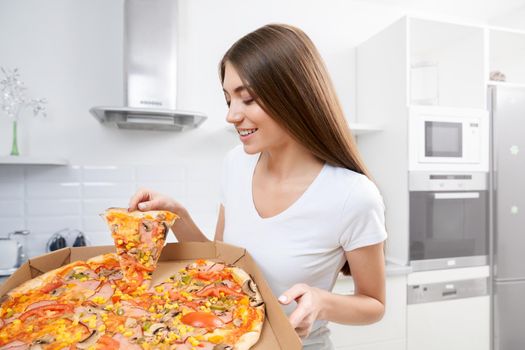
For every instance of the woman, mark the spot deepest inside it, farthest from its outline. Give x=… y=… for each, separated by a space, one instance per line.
x=296 y=194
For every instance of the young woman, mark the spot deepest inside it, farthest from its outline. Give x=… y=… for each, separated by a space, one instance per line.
x=296 y=193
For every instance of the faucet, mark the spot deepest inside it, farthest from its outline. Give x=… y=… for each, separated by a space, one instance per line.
x=21 y=243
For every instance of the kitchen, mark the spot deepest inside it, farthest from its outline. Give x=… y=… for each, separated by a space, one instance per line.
x=72 y=55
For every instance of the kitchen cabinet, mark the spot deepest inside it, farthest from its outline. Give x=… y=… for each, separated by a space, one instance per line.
x=389 y=333
x=506 y=56
x=453 y=325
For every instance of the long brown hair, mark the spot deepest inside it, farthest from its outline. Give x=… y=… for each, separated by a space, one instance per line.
x=284 y=72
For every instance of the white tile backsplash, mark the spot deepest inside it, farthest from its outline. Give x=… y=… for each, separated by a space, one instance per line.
x=11 y=190
x=44 y=173
x=108 y=174
x=97 y=206
x=12 y=208
x=11 y=224
x=93 y=223
x=107 y=189
x=161 y=173
x=36 y=190
x=54 y=207
x=46 y=199
x=11 y=173
x=52 y=224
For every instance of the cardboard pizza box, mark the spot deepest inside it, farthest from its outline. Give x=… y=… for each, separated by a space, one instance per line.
x=277 y=332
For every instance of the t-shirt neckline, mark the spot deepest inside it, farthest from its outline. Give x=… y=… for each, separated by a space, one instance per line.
x=291 y=207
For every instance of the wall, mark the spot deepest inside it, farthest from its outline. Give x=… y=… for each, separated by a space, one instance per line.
x=70 y=52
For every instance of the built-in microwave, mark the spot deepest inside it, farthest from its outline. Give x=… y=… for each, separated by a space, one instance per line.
x=448 y=139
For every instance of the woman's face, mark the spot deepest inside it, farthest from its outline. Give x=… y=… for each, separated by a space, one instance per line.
x=257 y=130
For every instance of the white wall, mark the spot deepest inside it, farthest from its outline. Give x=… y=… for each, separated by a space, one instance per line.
x=70 y=52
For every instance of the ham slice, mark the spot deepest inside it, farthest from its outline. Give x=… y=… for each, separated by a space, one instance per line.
x=105 y=292
x=15 y=345
x=125 y=344
x=225 y=316
x=40 y=303
x=133 y=311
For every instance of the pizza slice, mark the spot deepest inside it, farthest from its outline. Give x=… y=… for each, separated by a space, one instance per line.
x=139 y=238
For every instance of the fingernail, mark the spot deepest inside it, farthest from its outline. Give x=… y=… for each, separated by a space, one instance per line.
x=283 y=299
x=142 y=206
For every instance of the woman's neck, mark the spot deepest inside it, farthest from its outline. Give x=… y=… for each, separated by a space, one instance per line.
x=289 y=160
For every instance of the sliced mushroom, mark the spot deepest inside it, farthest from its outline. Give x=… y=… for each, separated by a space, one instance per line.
x=255 y=302
x=46 y=339
x=169 y=316
x=154 y=328
x=222 y=347
x=91 y=340
x=249 y=288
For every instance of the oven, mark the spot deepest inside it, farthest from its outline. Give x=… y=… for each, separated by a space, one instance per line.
x=448 y=220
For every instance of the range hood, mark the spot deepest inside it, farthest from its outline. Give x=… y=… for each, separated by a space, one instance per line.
x=150 y=71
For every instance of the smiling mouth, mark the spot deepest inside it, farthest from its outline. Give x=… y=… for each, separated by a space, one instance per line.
x=246 y=132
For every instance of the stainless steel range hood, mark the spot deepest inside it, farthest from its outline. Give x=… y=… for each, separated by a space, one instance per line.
x=150 y=71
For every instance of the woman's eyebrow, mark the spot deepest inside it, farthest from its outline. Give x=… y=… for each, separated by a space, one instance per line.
x=238 y=89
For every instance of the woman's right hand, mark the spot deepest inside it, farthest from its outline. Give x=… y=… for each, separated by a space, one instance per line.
x=145 y=199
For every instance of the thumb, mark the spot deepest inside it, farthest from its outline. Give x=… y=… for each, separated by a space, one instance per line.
x=148 y=205
x=293 y=293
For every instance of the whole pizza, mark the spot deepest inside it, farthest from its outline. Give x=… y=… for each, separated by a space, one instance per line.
x=108 y=302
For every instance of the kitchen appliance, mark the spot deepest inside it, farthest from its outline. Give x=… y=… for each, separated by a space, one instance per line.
x=448 y=139
x=507 y=105
x=150 y=70
x=13 y=248
x=66 y=238
x=448 y=220
x=449 y=309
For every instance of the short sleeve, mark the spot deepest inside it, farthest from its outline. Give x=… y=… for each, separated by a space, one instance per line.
x=363 y=217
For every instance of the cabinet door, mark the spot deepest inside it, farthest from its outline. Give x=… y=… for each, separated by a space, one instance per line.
x=390 y=328
x=461 y=324
x=446 y=64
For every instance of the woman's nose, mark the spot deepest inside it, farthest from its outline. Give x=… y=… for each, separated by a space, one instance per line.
x=234 y=117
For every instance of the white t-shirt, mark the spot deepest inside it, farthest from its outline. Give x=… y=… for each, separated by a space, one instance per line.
x=340 y=211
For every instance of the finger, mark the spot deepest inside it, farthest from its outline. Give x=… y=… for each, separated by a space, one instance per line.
x=293 y=293
x=298 y=316
x=138 y=197
x=303 y=332
x=155 y=204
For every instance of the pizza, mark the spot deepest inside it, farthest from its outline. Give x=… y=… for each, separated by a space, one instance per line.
x=202 y=305
x=139 y=238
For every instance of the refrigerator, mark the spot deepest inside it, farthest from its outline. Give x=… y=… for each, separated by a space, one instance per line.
x=507 y=105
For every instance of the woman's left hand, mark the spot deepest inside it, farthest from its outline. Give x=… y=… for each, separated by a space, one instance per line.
x=308 y=307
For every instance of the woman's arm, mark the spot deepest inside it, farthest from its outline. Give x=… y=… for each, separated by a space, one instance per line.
x=366 y=305
x=184 y=228
x=219 y=230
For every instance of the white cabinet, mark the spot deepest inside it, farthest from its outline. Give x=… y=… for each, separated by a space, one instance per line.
x=461 y=324
x=389 y=333
x=507 y=56
x=445 y=64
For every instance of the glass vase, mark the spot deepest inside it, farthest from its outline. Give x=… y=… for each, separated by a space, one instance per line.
x=14 y=146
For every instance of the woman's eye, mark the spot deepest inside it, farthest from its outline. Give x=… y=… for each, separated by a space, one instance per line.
x=248 y=101
x=228 y=103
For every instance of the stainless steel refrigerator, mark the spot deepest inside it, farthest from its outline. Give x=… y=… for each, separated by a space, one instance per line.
x=508 y=193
